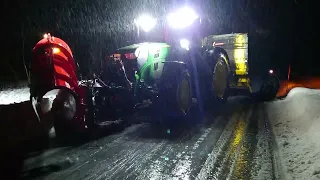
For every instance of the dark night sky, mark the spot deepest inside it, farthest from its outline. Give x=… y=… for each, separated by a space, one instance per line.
x=93 y=27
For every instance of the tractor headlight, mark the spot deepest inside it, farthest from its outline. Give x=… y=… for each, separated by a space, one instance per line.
x=182 y=18
x=185 y=44
x=146 y=22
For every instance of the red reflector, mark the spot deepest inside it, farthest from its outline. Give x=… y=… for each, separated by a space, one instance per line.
x=130 y=56
x=217 y=44
x=115 y=57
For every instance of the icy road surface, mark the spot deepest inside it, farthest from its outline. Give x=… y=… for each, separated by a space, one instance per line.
x=234 y=145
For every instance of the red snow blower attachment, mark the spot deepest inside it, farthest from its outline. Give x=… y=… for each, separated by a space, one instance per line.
x=54 y=90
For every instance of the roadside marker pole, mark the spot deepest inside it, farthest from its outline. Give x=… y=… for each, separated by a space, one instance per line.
x=289 y=71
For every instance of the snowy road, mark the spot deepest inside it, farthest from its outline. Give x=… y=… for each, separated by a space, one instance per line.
x=234 y=145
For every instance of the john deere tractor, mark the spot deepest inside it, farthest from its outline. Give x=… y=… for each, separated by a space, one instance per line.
x=170 y=77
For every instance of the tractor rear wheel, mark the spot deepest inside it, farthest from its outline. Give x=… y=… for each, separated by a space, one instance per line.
x=220 y=81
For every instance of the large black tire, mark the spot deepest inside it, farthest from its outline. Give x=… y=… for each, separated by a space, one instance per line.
x=269 y=88
x=176 y=91
x=220 y=80
x=63 y=111
x=184 y=93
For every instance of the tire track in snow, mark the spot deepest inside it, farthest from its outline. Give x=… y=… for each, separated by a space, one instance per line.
x=247 y=153
x=162 y=162
x=182 y=169
x=242 y=164
x=277 y=168
x=80 y=156
x=262 y=158
x=233 y=151
x=218 y=164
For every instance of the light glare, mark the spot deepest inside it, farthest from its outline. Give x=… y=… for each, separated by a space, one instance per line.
x=185 y=44
x=146 y=22
x=55 y=50
x=183 y=18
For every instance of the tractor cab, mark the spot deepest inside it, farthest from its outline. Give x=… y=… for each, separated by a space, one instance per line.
x=143 y=62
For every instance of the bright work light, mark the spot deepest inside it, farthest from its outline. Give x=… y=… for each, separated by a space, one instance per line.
x=182 y=18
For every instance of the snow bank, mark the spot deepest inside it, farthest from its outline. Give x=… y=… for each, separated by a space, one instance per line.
x=13 y=85
x=296 y=125
x=17 y=95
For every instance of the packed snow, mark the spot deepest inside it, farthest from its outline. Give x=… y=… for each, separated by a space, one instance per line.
x=14 y=95
x=20 y=93
x=296 y=124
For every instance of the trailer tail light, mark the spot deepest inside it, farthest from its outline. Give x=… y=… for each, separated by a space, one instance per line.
x=130 y=56
x=217 y=44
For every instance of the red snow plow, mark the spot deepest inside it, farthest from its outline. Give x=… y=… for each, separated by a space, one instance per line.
x=61 y=101
x=56 y=97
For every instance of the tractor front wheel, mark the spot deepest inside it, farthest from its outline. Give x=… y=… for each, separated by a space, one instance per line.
x=176 y=92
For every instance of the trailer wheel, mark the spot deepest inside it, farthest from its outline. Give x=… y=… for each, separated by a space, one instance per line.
x=220 y=81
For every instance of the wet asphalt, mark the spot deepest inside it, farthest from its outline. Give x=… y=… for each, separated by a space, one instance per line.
x=224 y=145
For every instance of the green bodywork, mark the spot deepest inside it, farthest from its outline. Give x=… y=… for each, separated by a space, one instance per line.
x=150 y=58
x=152 y=55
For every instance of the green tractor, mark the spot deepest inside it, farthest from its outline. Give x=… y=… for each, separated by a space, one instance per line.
x=170 y=80
x=173 y=79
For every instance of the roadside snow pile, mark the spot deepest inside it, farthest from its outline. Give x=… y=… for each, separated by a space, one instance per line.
x=13 y=85
x=296 y=125
x=10 y=96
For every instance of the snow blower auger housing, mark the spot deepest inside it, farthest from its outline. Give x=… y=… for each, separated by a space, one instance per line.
x=54 y=91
